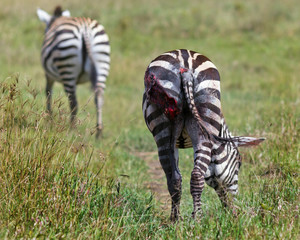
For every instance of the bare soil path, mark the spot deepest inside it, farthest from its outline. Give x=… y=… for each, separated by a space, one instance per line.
x=157 y=184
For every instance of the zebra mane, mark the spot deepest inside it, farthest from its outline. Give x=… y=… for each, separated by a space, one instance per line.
x=57 y=11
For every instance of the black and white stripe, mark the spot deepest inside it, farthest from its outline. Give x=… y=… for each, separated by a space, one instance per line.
x=75 y=50
x=182 y=108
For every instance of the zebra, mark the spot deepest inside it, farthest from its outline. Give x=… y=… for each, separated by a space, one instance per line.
x=75 y=50
x=182 y=109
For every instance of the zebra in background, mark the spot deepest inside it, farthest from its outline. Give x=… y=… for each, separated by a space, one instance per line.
x=182 y=109
x=75 y=50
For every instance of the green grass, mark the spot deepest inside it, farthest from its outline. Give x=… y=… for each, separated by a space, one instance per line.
x=57 y=182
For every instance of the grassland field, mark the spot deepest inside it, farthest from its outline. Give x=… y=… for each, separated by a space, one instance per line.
x=61 y=183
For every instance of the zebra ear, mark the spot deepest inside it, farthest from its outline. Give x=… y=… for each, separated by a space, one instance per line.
x=66 y=13
x=247 y=141
x=43 y=16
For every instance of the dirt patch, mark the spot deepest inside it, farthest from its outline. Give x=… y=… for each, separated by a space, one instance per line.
x=157 y=184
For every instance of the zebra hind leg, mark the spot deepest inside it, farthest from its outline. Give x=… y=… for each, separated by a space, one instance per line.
x=49 y=86
x=175 y=186
x=73 y=107
x=165 y=135
x=99 y=100
x=169 y=162
x=202 y=158
x=98 y=83
x=72 y=101
x=197 y=185
x=201 y=161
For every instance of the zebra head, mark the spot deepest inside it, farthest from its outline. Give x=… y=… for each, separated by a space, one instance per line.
x=48 y=19
x=223 y=174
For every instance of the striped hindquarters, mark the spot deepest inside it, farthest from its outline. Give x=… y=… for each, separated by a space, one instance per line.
x=163 y=87
x=157 y=123
x=73 y=46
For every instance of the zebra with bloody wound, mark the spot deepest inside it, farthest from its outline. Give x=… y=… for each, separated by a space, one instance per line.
x=75 y=50
x=182 y=109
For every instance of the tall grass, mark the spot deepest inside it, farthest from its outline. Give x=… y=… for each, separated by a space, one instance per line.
x=57 y=182
x=45 y=190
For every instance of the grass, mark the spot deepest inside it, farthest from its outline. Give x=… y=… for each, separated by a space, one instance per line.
x=61 y=183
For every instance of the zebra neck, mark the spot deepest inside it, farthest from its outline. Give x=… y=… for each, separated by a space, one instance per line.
x=226 y=134
x=224 y=131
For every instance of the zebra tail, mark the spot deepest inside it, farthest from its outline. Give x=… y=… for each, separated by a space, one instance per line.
x=188 y=88
x=86 y=48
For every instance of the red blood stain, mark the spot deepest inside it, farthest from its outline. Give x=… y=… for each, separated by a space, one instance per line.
x=182 y=70
x=157 y=95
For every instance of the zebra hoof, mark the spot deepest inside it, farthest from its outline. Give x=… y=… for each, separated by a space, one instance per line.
x=197 y=215
x=235 y=210
x=98 y=133
x=175 y=218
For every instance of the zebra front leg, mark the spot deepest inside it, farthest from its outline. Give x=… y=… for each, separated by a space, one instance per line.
x=227 y=193
x=49 y=86
x=99 y=100
x=227 y=199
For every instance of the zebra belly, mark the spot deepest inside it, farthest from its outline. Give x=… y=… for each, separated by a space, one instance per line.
x=184 y=140
x=83 y=78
